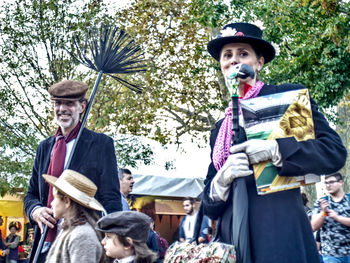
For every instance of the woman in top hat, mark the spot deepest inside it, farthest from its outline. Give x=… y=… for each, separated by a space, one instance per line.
x=279 y=230
x=74 y=201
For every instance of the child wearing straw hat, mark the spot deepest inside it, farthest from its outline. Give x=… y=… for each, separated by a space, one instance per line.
x=126 y=234
x=74 y=202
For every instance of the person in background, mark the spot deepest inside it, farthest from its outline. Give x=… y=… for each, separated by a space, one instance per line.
x=11 y=243
x=126 y=182
x=94 y=157
x=279 y=230
x=187 y=224
x=152 y=241
x=307 y=209
x=331 y=215
x=161 y=242
x=2 y=245
x=126 y=234
x=74 y=201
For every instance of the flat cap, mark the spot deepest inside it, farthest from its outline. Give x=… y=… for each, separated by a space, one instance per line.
x=133 y=224
x=70 y=90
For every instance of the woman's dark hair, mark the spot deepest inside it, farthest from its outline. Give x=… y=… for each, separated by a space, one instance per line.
x=257 y=51
x=305 y=199
x=13 y=224
x=142 y=253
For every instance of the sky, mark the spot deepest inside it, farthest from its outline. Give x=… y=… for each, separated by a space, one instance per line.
x=192 y=161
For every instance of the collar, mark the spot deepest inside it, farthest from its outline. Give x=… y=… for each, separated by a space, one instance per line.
x=128 y=259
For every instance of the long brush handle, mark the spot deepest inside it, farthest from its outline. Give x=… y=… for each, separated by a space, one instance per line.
x=41 y=244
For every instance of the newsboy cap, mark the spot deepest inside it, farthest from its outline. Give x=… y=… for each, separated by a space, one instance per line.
x=131 y=224
x=70 y=90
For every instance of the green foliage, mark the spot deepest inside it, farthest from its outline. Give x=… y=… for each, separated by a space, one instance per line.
x=181 y=92
x=314 y=41
x=183 y=89
x=344 y=131
x=131 y=150
x=34 y=35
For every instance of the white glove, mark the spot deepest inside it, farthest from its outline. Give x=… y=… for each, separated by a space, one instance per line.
x=236 y=165
x=260 y=151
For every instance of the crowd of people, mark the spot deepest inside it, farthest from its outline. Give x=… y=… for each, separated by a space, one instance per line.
x=83 y=202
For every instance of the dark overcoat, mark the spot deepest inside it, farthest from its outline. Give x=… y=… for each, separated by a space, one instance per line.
x=279 y=228
x=94 y=157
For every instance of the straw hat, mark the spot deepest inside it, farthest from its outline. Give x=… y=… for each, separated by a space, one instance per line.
x=77 y=187
x=241 y=33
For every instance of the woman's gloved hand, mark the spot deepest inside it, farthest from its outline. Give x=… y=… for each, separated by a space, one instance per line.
x=260 y=151
x=236 y=165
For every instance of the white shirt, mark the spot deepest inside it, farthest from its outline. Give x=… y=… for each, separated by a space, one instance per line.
x=188 y=226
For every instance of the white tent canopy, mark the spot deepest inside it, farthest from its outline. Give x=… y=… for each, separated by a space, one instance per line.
x=167 y=186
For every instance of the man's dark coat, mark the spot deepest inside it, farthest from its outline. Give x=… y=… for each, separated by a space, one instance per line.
x=94 y=157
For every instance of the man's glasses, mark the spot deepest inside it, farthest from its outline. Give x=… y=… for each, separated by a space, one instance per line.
x=330 y=182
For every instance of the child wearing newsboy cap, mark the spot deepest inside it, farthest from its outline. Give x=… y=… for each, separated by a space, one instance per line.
x=126 y=234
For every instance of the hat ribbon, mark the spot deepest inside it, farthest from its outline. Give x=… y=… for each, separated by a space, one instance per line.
x=74 y=192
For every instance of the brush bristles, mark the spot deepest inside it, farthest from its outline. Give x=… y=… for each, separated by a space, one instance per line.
x=112 y=52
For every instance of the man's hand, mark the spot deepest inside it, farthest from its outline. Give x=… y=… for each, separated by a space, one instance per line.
x=332 y=214
x=200 y=240
x=43 y=216
x=259 y=151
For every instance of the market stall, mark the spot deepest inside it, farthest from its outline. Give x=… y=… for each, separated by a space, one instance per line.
x=161 y=198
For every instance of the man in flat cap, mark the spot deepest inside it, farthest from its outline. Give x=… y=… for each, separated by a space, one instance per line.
x=94 y=157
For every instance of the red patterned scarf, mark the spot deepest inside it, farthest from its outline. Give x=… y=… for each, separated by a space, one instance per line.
x=223 y=141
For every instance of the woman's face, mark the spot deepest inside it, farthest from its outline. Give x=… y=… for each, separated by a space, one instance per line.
x=240 y=53
x=113 y=247
x=13 y=230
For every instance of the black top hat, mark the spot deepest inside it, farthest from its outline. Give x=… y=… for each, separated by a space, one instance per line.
x=241 y=33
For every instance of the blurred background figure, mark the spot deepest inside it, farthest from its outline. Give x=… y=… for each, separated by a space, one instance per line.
x=331 y=215
x=11 y=243
x=2 y=246
x=187 y=224
x=126 y=182
x=308 y=210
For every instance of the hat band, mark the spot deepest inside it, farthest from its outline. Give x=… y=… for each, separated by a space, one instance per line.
x=73 y=191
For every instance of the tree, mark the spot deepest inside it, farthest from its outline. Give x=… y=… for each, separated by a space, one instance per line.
x=180 y=88
x=314 y=42
x=183 y=89
x=34 y=36
x=344 y=131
